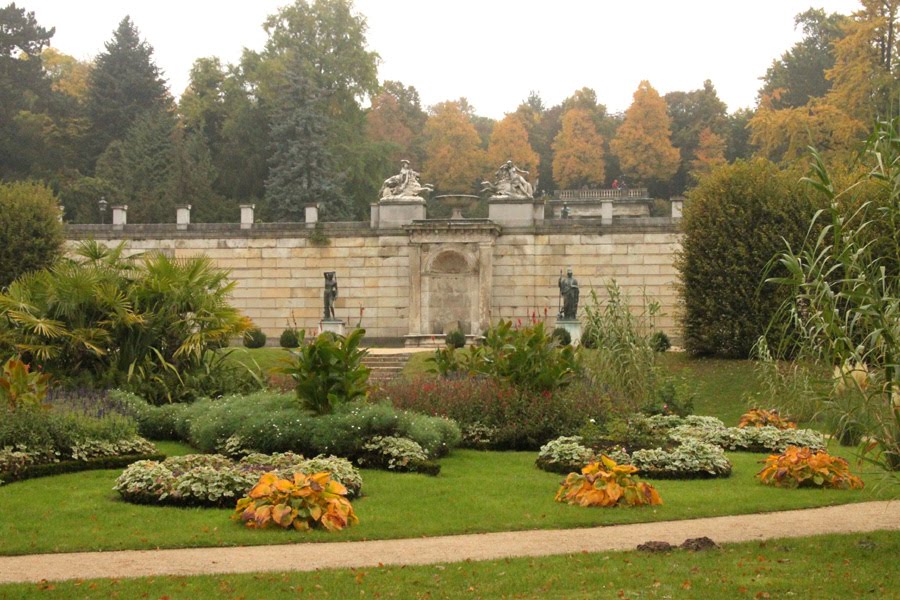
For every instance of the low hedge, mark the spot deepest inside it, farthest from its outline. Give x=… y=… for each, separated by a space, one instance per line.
x=74 y=466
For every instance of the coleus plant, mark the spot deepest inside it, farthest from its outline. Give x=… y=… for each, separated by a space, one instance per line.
x=802 y=467
x=605 y=483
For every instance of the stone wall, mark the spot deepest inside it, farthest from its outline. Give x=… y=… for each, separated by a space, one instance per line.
x=279 y=269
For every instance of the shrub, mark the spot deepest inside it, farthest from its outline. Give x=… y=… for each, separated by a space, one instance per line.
x=751 y=439
x=269 y=422
x=493 y=414
x=758 y=417
x=659 y=341
x=303 y=502
x=142 y=322
x=737 y=219
x=290 y=338
x=563 y=455
x=254 y=338
x=31 y=236
x=803 y=467
x=689 y=459
x=605 y=483
x=329 y=372
x=396 y=454
x=213 y=480
x=562 y=336
x=456 y=339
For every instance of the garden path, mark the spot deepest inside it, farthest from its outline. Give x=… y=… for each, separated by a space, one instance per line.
x=849 y=518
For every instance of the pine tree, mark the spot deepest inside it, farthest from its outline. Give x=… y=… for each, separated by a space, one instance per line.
x=301 y=169
x=124 y=84
x=643 y=141
x=578 y=151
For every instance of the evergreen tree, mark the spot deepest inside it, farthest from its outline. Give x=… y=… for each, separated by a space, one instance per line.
x=124 y=84
x=301 y=169
x=23 y=83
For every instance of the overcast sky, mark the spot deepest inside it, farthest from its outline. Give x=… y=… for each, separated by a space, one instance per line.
x=492 y=52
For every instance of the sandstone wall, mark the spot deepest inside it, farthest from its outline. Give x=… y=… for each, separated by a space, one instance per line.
x=280 y=272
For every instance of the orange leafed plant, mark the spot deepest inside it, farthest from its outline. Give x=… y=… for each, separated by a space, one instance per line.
x=305 y=502
x=605 y=483
x=759 y=417
x=801 y=467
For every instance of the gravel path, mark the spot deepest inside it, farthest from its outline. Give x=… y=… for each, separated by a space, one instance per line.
x=850 y=518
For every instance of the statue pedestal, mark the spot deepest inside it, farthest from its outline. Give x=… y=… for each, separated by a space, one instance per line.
x=573 y=327
x=332 y=325
x=393 y=213
x=515 y=211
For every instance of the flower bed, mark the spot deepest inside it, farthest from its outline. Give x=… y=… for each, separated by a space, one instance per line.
x=214 y=480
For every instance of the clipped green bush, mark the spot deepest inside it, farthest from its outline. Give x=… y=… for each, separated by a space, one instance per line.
x=659 y=341
x=254 y=338
x=31 y=236
x=737 y=218
x=562 y=336
x=456 y=339
x=290 y=338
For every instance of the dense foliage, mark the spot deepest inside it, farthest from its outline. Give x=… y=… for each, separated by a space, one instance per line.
x=31 y=235
x=736 y=220
x=605 y=483
x=802 y=467
x=149 y=323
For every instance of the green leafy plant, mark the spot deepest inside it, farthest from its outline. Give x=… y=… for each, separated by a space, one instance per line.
x=760 y=417
x=328 y=371
x=605 y=483
x=564 y=454
x=397 y=454
x=20 y=386
x=562 y=336
x=690 y=459
x=659 y=341
x=32 y=236
x=456 y=339
x=254 y=338
x=301 y=503
x=802 y=467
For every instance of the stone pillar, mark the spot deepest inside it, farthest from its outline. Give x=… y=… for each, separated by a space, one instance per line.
x=395 y=213
x=415 y=289
x=119 y=216
x=373 y=215
x=538 y=213
x=677 y=208
x=62 y=213
x=606 y=211
x=485 y=286
x=311 y=214
x=182 y=216
x=247 y=215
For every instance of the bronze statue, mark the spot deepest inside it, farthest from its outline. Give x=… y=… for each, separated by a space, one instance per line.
x=568 y=290
x=330 y=295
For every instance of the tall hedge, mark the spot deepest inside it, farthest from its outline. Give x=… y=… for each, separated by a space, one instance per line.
x=31 y=235
x=736 y=219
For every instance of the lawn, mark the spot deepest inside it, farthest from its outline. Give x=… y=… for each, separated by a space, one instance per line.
x=833 y=566
x=475 y=492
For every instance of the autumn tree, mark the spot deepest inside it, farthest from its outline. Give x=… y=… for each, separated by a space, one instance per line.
x=124 y=84
x=509 y=141
x=542 y=125
x=866 y=73
x=643 y=142
x=397 y=119
x=709 y=154
x=578 y=151
x=454 y=160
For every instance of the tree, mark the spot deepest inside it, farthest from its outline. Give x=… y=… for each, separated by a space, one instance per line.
x=454 y=160
x=23 y=83
x=124 y=84
x=710 y=153
x=866 y=73
x=739 y=135
x=301 y=167
x=542 y=125
x=692 y=113
x=509 y=141
x=578 y=151
x=192 y=177
x=397 y=119
x=643 y=142
x=31 y=236
x=799 y=75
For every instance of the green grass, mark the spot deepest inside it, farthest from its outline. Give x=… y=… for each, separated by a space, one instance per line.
x=476 y=492
x=417 y=365
x=721 y=386
x=264 y=358
x=833 y=566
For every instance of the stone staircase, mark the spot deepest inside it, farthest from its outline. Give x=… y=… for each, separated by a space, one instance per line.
x=385 y=367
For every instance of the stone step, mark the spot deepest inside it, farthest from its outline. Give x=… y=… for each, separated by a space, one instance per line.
x=385 y=367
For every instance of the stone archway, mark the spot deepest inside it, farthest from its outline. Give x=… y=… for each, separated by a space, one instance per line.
x=450 y=290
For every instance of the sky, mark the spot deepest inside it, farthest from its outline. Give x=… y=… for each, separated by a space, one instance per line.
x=493 y=52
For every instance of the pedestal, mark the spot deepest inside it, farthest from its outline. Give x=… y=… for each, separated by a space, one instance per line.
x=512 y=211
x=397 y=212
x=573 y=327
x=332 y=325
